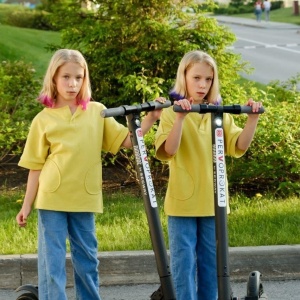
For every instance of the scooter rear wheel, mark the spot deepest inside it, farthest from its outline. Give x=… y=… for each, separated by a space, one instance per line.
x=27 y=296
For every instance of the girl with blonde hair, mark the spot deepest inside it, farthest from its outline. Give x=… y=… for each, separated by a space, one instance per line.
x=63 y=155
x=184 y=140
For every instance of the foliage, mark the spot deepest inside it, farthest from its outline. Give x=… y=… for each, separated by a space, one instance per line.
x=285 y=15
x=241 y=7
x=134 y=59
x=17 y=107
x=24 y=17
x=273 y=160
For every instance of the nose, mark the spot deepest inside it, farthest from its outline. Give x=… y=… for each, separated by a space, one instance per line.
x=202 y=83
x=72 y=83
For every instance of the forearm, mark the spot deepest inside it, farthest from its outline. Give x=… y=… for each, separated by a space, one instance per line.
x=146 y=124
x=246 y=137
x=173 y=140
x=32 y=187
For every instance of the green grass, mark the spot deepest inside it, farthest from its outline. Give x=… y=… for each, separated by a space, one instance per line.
x=28 y=45
x=284 y=15
x=123 y=225
x=264 y=221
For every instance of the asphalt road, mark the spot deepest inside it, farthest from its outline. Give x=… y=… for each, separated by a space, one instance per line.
x=272 y=49
x=275 y=290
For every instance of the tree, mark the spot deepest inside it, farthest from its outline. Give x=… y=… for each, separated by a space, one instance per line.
x=133 y=47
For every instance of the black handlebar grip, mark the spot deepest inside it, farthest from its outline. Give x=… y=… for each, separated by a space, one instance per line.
x=248 y=110
x=204 y=108
x=129 y=109
x=112 y=112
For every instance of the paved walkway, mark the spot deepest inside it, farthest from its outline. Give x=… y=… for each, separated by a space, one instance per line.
x=253 y=23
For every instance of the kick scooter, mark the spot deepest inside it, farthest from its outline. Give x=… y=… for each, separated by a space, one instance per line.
x=254 y=285
x=132 y=113
x=166 y=290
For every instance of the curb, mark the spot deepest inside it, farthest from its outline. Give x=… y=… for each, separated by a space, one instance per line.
x=139 y=267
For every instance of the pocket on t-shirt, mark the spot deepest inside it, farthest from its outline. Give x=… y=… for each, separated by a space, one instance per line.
x=93 y=179
x=50 y=177
x=181 y=185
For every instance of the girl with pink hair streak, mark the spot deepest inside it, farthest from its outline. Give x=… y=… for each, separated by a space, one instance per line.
x=63 y=155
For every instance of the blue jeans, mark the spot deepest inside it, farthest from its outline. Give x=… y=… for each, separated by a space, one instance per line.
x=193 y=257
x=54 y=228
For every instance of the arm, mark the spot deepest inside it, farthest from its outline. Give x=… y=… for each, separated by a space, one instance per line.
x=247 y=134
x=173 y=140
x=31 y=191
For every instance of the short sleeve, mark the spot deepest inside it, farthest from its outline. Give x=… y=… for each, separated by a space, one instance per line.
x=164 y=128
x=36 y=146
x=232 y=133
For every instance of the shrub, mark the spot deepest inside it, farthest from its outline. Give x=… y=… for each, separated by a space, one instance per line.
x=18 y=88
x=273 y=160
x=29 y=18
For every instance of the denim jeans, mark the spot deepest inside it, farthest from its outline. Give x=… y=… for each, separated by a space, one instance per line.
x=54 y=228
x=193 y=257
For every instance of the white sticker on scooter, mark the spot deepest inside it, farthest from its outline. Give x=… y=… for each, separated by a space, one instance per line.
x=221 y=167
x=143 y=164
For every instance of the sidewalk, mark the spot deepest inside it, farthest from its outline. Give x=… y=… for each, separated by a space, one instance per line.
x=139 y=267
x=253 y=23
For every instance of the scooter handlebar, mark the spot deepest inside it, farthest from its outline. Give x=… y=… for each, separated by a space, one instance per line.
x=233 y=109
x=130 y=109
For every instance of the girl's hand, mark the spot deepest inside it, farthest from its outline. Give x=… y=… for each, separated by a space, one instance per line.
x=21 y=217
x=185 y=104
x=255 y=108
x=155 y=114
x=255 y=105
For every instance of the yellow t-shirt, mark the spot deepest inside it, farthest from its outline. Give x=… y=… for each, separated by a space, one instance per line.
x=67 y=149
x=190 y=189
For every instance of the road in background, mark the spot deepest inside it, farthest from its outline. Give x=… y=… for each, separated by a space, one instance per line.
x=273 y=49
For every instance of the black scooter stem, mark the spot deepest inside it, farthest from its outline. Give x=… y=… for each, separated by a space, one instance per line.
x=132 y=113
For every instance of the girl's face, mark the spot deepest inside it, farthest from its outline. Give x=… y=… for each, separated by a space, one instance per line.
x=68 y=79
x=199 y=79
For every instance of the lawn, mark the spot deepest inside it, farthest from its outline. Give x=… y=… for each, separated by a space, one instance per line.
x=284 y=15
x=28 y=45
x=255 y=221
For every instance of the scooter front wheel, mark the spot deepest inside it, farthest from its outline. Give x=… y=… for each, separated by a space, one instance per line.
x=254 y=286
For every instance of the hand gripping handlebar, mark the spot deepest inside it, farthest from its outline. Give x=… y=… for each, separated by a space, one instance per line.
x=205 y=108
x=131 y=109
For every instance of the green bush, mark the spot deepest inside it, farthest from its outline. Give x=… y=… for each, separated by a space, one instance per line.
x=29 y=18
x=134 y=59
x=240 y=7
x=18 y=89
x=273 y=160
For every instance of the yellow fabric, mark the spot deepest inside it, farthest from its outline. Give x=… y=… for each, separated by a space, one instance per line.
x=67 y=148
x=190 y=186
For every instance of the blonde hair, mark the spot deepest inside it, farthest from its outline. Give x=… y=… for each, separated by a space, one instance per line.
x=48 y=92
x=188 y=60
